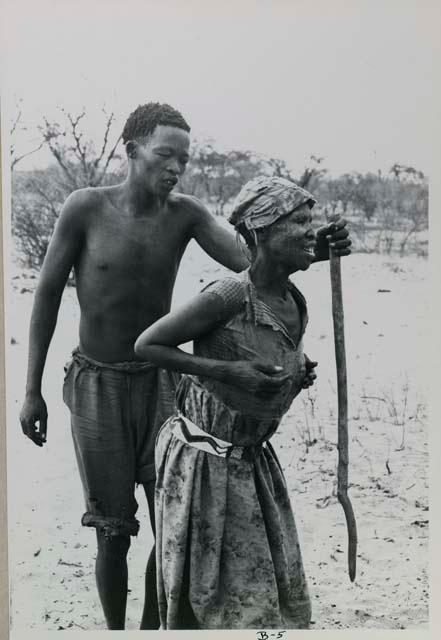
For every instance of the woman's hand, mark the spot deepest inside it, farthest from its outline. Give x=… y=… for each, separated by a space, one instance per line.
x=310 y=375
x=334 y=234
x=255 y=376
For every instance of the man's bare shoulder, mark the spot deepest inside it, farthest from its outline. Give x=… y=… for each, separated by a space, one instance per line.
x=89 y=196
x=82 y=202
x=189 y=205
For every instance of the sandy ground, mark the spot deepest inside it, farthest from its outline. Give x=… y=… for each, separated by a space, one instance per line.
x=51 y=555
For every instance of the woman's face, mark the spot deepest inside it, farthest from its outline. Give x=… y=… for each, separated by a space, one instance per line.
x=291 y=239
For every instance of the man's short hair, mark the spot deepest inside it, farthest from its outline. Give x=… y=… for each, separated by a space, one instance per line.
x=143 y=121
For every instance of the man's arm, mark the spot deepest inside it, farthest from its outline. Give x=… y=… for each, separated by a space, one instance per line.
x=220 y=243
x=63 y=251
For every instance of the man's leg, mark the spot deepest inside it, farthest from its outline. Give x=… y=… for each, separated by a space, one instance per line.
x=111 y=577
x=106 y=462
x=155 y=402
x=150 y=614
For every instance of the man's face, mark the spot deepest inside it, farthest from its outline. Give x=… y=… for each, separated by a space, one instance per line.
x=162 y=159
x=291 y=239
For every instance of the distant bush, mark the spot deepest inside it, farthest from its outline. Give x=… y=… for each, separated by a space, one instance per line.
x=387 y=213
x=37 y=196
x=37 y=199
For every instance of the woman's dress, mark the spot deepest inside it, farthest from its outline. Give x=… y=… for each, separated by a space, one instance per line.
x=227 y=544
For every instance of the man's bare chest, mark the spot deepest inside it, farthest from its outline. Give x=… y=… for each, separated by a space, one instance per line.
x=133 y=248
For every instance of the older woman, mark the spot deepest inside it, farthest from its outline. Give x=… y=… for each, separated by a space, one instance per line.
x=228 y=554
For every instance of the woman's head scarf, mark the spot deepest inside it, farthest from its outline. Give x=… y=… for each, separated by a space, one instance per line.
x=264 y=200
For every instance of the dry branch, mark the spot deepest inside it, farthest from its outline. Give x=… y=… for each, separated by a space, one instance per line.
x=342 y=394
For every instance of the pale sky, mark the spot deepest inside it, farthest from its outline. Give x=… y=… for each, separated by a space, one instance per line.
x=355 y=81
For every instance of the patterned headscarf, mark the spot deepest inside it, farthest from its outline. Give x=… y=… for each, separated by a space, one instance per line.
x=264 y=200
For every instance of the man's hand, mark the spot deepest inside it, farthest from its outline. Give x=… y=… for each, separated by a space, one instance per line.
x=255 y=376
x=34 y=410
x=310 y=375
x=334 y=234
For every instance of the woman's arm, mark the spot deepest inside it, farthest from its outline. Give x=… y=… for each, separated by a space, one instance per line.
x=159 y=344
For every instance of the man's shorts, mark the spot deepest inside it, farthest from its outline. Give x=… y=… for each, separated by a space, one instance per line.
x=116 y=412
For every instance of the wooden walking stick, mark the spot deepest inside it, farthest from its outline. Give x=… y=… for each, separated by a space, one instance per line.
x=342 y=386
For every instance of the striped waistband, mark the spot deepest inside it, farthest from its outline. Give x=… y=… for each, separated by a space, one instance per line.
x=188 y=432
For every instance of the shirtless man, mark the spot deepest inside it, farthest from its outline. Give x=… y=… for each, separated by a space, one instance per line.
x=125 y=243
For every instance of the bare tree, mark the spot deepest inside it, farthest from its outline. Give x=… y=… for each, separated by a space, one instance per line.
x=16 y=127
x=81 y=163
x=215 y=176
x=38 y=195
x=313 y=171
